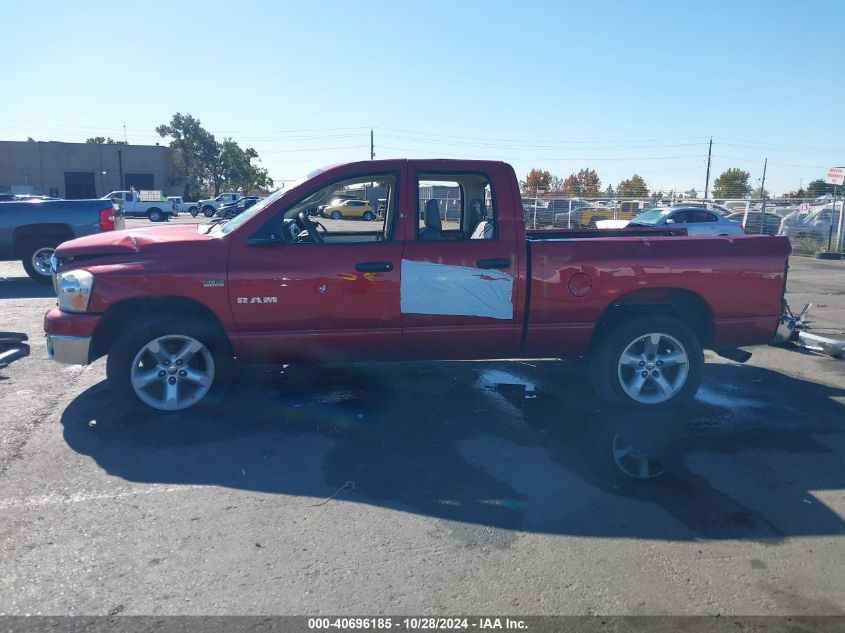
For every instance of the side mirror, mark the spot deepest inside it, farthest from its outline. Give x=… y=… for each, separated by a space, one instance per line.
x=670 y=221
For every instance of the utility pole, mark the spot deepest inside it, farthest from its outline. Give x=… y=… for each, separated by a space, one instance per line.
x=124 y=133
x=763 y=195
x=707 y=182
x=372 y=146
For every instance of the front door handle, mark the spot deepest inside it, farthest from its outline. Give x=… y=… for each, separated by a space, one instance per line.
x=374 y=267
x=500 y=262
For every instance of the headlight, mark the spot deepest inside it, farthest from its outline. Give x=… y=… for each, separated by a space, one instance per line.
x=74 y=290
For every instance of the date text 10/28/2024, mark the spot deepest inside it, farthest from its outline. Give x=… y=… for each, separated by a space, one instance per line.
x=416 y=623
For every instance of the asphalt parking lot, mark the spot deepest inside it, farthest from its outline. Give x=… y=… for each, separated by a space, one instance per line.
x=432 y=488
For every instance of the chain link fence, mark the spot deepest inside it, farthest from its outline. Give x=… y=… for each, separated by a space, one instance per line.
x=812 y=224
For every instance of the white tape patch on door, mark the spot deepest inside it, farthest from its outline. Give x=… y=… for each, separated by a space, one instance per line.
x=428 y=288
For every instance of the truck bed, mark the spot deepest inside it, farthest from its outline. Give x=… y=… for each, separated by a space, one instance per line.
x=576 y=277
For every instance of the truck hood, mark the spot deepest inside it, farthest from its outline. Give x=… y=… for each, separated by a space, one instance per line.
x=131 y=241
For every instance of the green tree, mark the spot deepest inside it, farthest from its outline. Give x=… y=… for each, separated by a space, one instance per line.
x=100 y=140
x=196 y=152
x=759 y=192
x=633 y=187
x=691 y=194
x=819 y=188
x=240 y=173
x=733 y=183
x=536 y=179
x=609 y=192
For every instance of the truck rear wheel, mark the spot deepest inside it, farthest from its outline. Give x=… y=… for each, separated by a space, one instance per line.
x=650 y=362
x=209 y=211
x=155 y=215
x=170 y=364
x=36 y=260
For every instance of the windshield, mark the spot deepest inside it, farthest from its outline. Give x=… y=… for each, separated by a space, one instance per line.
x=235 y=222
x=652 y=216
x=256 y=208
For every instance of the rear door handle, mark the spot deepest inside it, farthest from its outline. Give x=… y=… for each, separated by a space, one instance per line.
x=374 y=267
x=500 y=262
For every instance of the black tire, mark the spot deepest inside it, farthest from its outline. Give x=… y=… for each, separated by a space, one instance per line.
x=131 y=340
x=209 y=211
x=33 y=254
x=368 y=216
x=607 y=374
x=155 y=215
x=194 y=211
x=337 y=215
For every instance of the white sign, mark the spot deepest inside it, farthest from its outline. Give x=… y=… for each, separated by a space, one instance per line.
x=835 y=176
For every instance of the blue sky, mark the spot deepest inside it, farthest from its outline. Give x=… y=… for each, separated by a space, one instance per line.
x=619 y=86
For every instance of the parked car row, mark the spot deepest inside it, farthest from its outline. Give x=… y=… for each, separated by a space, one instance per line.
x=757 y=222
x=817 y=224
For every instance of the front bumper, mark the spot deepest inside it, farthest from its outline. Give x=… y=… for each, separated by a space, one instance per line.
x=69 y=336
x=69 y=350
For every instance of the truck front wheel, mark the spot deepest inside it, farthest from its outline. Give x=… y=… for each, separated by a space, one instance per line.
x=209 y=211
x=170 y=364
x=649 y=362
x=36 y=261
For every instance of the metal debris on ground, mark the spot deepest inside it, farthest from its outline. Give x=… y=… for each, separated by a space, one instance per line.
x=791 y=324
x=822 y=344
x=793 y=328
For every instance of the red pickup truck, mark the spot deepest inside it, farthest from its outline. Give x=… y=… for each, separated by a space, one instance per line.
x=448 y=272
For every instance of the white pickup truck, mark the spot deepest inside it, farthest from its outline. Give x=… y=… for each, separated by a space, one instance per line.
x=138 y=204
x=183 y=205
x=209 y=207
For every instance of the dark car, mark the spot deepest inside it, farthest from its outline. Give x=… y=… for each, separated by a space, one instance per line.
x=232 y=209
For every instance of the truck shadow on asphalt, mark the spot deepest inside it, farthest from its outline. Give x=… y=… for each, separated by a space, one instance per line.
x=24 y=288
x=518 y=446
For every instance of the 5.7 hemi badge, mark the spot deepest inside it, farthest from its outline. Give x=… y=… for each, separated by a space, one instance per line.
x=213 y=283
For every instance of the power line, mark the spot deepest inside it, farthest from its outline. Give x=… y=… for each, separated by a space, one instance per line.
x=570 y=159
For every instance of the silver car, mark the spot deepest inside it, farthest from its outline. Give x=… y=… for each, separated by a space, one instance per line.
x=696 y=220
